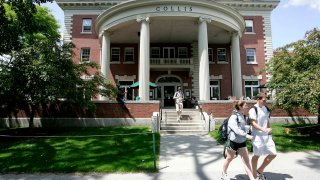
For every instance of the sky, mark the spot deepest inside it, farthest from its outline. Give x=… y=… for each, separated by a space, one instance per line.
x=290 y=20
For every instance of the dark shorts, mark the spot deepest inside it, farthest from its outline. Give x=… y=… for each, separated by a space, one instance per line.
x=235 y=146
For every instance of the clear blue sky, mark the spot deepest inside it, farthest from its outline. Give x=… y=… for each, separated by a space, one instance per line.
x=290 y=20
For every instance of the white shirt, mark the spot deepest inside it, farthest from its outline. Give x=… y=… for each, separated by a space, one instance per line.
x=261 y=120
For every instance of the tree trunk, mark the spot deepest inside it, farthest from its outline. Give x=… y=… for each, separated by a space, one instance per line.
x=33 y=109
x=319 y=113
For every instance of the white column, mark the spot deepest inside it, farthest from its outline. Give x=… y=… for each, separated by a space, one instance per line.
x=105 y=58
x=236 y=66
x=204 y=80
x=144 y=59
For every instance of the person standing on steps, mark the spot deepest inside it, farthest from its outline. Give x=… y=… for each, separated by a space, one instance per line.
x=178 y=97
x=237 y=140
x=262 y=142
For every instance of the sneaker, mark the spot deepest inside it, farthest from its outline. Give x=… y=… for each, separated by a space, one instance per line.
x=261 y=176
x=178 y=119
x=224 y=176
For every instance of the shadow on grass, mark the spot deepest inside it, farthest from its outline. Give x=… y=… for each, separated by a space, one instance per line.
x=124 y=150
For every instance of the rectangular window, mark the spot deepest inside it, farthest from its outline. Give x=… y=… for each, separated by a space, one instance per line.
x=251 y=55
x=251 y=89
x=249 y=26
x=168 y=52
x=222 y=54
x=115 y=54
x=155 y=52
x=129 y=54
x=210 y=54
x=85 y=54
x=182 y=52
x=86 y=25
x=215 y=89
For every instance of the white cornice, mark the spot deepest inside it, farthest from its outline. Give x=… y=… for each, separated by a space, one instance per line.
x=262 y=5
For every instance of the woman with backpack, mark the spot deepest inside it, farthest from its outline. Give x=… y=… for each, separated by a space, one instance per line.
x=237 y=140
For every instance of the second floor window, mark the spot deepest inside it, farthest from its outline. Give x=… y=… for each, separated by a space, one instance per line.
x=85 y=54
x=155 y=52
x=249 y=26
x=222 y=54
x=115 y=54
x=86 y=25
x=129 y=54
x=251 y=55
x=182 y=52
x=210 y=54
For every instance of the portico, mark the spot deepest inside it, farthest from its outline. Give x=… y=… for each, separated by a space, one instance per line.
x=197 y=23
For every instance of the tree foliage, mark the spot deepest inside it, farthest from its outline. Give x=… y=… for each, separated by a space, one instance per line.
x=295 y=71
x=17 y=18
x=41 y=71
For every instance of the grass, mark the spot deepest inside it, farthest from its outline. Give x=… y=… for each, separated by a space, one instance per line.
x=296 y=140
x=115 y=153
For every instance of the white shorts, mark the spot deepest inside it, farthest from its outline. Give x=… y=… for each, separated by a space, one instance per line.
x=263 y=145
x=179 y=106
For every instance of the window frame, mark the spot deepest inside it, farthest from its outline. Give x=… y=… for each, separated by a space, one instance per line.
x=85 y=57
x=225 y=55
x=249 y=61
x=249 y=25
x=181 y=53
x=210 y=55
x=155 y=55
x=215 y=86
x=83 y=30
x=126 y=55
x=112 y=55
x=251 y=86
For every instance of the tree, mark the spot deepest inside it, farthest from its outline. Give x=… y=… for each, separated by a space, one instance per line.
x=17 y=17
x=295 y=71
x=42 y=71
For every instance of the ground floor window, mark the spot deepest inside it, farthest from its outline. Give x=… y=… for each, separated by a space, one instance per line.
x=214 y=89
x=251 y=89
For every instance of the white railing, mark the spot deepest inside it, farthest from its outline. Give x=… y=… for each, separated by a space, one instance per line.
x=170 y=61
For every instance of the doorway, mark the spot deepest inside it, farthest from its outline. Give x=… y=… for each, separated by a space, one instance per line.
x=168 y=92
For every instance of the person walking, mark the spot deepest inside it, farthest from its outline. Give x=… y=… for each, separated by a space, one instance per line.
x=237 y=140
x=178 y=97
x=262 y=142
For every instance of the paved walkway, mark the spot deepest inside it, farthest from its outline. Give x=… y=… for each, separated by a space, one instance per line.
x=196 y=157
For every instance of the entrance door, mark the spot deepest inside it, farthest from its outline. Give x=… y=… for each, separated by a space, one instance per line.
x=168 y=95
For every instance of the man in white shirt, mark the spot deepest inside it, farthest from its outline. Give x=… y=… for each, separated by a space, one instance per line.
x=262 y=142
x=178 y=97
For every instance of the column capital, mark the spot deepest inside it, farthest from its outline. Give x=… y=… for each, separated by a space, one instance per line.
x=205 y=19
x=143 y=18
x=107 y=32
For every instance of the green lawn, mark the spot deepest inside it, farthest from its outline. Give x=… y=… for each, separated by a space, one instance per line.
x=294 y=141
x=118 y=152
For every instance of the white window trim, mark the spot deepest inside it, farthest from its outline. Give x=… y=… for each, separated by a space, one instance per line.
x=128 y=62
x=81 y=55
x=219 y=87
x=82 y=28
x=226 y=60
x=179 y=48
x=251 y=32
x=211 y=61
x=255 y=57
x=158 y=48
x=115 y=62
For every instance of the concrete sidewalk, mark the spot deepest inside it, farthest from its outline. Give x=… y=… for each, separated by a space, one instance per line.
x=197 y=157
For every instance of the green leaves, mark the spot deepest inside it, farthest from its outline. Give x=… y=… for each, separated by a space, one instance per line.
x=295 y=70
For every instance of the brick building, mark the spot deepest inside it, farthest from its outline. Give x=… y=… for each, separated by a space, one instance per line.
x=211 y=48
